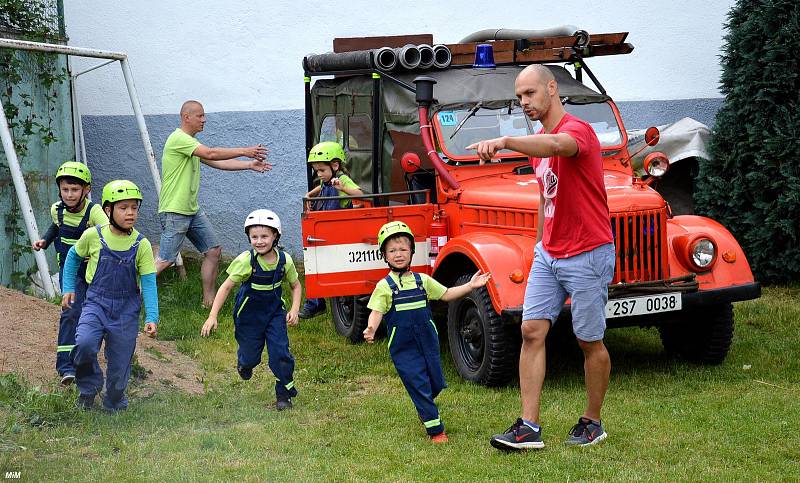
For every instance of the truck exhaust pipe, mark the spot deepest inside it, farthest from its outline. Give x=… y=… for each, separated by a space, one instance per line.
x=424 y=98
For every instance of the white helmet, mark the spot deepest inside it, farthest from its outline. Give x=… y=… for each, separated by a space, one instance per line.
x=263 y=218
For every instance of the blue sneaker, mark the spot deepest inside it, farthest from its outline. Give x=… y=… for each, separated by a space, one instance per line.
x=245 y=372
x=586 y=433
x=518 y=436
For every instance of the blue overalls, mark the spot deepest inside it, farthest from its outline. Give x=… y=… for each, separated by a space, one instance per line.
x=315 y=305
x=259 y=317
x=67 y=237
x=110 y=312
x=414 y=347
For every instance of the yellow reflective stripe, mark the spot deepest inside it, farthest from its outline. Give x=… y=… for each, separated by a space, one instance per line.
x=306 y=79
x=375 y=75
x=434 y=328
x=65 y=348
x=69 y=241
x=258 y=286
x=289 y=386
x=410 y=306
x=242 y=307
x=432 y=423
x=392 y=336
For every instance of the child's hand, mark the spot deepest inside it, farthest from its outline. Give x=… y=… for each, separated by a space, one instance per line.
x=67 y=300
x=337 y=183
x=292 y=317
x=38 y=245
x=209 y=327
x=151 y=329
x=369 y=334
x=479 y=279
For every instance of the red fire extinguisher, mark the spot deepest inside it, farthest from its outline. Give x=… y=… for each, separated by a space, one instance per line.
x=438 y=235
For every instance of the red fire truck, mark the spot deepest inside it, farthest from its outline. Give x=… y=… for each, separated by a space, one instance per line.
x=405 y=120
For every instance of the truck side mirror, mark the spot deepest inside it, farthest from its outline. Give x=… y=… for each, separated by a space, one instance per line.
x=652 y=135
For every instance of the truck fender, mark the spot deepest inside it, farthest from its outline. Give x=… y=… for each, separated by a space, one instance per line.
x=502 y=255
x=723 y=273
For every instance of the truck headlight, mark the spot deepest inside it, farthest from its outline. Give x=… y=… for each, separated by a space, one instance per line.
x=656 y=164
x=703 y=252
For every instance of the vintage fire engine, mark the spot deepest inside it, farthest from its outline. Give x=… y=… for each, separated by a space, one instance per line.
x=405 y=110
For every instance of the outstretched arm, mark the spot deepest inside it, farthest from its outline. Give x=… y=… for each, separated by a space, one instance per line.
x=536 y=145
x=477 y=280
x=222 y=294
x=224 y=158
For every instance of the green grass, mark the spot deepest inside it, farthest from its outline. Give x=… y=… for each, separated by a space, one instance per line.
x=668 y=420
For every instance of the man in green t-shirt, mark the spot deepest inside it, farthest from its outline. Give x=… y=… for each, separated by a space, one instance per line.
x=180 y=214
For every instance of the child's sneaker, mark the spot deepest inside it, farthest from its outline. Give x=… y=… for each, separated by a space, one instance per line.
x=283 y=403
x=245 y=372
x=586 y=433
x=84 y=402
x=67 y=379
x=306 y=314
x=519 y=436
x=439 y=438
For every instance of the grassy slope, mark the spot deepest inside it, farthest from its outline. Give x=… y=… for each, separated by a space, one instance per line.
x=667 y=419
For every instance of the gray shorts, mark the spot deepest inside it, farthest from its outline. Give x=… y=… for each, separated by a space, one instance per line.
x=584 y=278
x=176 y=227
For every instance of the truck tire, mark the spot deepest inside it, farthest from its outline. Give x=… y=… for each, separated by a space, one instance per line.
x=483 y=349
x=350 y=316
x=705 y=339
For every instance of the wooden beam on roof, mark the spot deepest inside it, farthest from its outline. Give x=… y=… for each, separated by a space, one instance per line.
x=352 y=44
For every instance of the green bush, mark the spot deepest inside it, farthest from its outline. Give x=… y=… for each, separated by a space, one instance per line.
x=752 y=184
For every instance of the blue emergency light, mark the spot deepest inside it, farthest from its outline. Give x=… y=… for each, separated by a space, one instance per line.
x=484 y=57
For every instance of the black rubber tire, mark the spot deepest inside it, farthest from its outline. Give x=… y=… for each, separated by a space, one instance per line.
x=350 y=316
x=483 y=349
x=703 y=335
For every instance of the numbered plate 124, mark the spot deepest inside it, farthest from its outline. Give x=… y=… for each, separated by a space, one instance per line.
x=648 y=304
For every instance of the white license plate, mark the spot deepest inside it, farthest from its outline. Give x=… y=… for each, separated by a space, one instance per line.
x=648 y=304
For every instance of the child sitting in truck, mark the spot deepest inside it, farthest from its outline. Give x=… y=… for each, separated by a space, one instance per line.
x=402 y=297
x=259 y=316
x=327 y=160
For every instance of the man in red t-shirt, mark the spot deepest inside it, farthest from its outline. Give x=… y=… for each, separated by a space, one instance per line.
x=574 y=255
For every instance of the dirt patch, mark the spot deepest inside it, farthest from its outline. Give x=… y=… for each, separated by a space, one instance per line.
x=29 y=327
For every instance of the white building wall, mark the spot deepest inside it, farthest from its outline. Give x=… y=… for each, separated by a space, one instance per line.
x=241 y=55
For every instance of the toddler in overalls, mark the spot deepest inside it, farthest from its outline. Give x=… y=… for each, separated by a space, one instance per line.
x=71 y=217
x=259 y=315
x=402 y=298
x=120 y=259
x=327 y=160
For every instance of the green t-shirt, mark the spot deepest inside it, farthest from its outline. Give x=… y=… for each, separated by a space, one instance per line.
x=347 y=182
x=89 y=247
x=180 y=175
x=240 y=270
x=381 y=299
x=96 y=217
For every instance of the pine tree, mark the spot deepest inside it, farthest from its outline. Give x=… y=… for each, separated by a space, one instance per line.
x=752 y=184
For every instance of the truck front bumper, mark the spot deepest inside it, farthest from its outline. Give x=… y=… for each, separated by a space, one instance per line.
x=691 y=300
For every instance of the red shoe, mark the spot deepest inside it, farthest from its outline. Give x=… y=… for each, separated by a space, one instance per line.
x=439 y=438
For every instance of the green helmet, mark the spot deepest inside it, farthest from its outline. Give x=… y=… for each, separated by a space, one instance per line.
x=325 y=152
x=391 y=229
x=120 y=189
x=74 y=169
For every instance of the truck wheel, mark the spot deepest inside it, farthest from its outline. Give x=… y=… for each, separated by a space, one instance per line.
x=350 y=316
x=705 y=339
x=483 y=349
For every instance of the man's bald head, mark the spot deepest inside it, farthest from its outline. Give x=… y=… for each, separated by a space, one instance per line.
x=190 y=107
x=539 y=72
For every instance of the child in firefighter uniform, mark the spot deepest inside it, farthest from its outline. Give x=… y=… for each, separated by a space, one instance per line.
x=402 y=298
x=259 y=315
x=71 y=217
x=120 y=260
x=327 y=160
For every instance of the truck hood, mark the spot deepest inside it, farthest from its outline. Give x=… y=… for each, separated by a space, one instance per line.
x=522 y=192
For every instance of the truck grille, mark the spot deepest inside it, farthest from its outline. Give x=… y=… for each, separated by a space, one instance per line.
x=641 y=239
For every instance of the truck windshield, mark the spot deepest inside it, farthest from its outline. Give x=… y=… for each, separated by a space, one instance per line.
x=510 y=120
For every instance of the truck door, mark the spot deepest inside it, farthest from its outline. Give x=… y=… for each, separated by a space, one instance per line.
x=340 y=247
